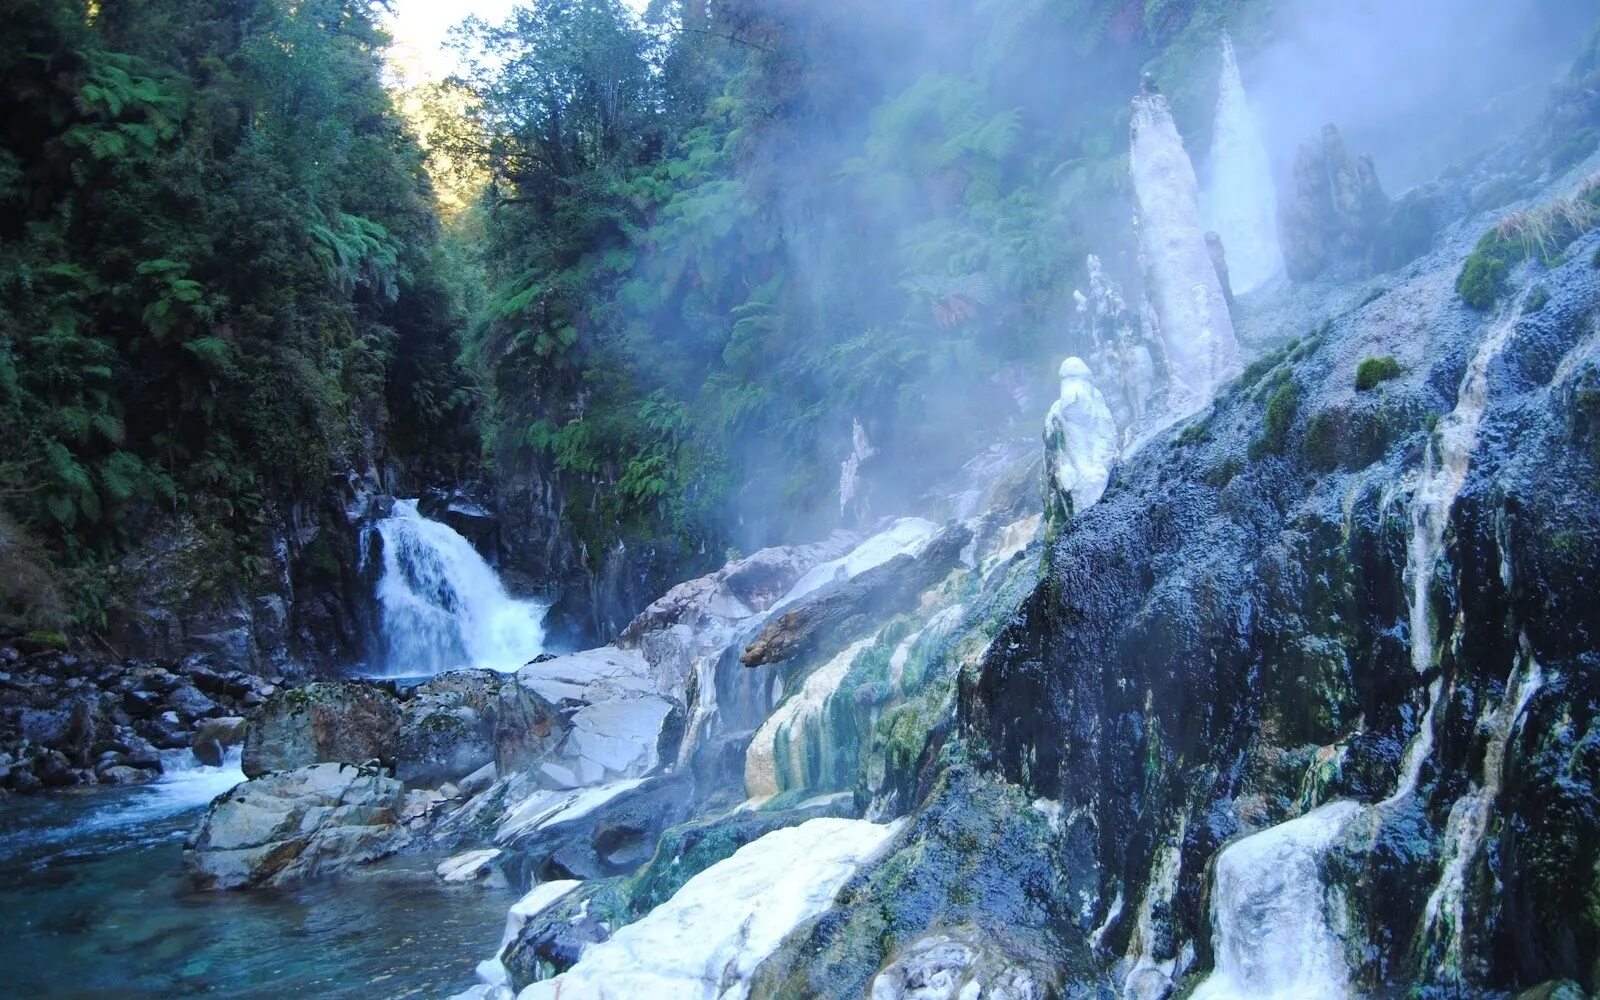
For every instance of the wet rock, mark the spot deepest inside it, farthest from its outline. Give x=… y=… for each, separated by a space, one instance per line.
x=841 y=611
x=122 y=774
x=590 y=832
x=290 y=826
x=227 y=730
x=470 y=866
x=208 y=752
x=958 y=965
x=338 y=722
x=478 y=781
x=1334 y=209
x=448 y=726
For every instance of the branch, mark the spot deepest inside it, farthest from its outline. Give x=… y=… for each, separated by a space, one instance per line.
x=731 y=38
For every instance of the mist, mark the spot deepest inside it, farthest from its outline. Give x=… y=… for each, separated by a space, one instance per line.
x=1417 y=84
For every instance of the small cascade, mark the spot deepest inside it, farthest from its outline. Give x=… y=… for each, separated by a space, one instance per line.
x=1444 y=472
x=1469 y=821
x=1270 y=910
x=441 y=605
x=1241 y=204
x=1196 y=330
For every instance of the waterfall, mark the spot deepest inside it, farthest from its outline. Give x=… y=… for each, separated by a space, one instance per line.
x=1444 y=472
x=1196 y=331
x=1274 y=940
x=441 y=606
x=1241 y=203
x=1269 y=908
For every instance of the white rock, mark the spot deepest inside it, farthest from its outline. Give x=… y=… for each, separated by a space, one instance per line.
x=1080 y=438
x=1196 y=330
x=706 y=941
x=468 y=866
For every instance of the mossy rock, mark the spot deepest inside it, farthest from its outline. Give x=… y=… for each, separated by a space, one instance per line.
x=1372 y=372
x=341 y=722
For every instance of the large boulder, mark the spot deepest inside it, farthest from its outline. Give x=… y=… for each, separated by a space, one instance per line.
x=447 y=728
x=337 y=722
x=294 y=825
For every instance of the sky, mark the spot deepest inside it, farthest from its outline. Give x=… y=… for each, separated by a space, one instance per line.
x=420 y=28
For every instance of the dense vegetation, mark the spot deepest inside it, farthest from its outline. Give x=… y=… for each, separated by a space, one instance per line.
x=219 y=269
x=716 y=239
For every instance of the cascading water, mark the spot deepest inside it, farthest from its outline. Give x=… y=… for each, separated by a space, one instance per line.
x=1274 y=940
x=442 y=606
x=1196 y=330
x=1241 y=203
x=1444 y=472
x=1269 y=906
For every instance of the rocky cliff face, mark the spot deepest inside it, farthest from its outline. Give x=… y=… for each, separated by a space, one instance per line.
x=1324 y=591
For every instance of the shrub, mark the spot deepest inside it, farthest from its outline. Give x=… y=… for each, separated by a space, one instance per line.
x=1372 y=371
x=1543 y=233
x=1322 y=441
x=1281 y=407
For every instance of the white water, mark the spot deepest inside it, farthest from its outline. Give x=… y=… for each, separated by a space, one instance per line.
x=1269 y=904
x=442 y=606
x=1445 y=912
x=1269 y=907
x=1444 y=472
x=1196 y=330
x=1241 y=204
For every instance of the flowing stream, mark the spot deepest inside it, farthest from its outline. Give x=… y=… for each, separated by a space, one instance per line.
x=96 y=905
x=442 y=606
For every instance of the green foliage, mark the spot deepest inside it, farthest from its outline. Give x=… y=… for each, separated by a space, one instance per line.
x=771 y=234
x=1372 y=371
x=1541 y=234
x=1282 y=404
x=217 y=253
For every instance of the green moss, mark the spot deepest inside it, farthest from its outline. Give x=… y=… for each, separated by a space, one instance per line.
x=1538 y=298
x=1542 y=233
x=1322 y=441
x=46 y=640
x=1275 y=423
x=1221 y=474
x=1371 y=371
x=1196 y=433
x=1483 y=277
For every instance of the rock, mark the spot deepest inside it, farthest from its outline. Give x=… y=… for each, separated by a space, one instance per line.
x=467 y=867
x=478 y=781
x=208 y=752
x=227 y=730
x=289 y=826
x=1080 y=438
x=53 y=769
x=954 y=967
x=189 y=703
x=44 y=727
x=122 y=774
x=447 y=728
x=527 y=729
x=331 y=722
x=723 y=922
x=590 y=832
x=839 y=612
x=1335 y=209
